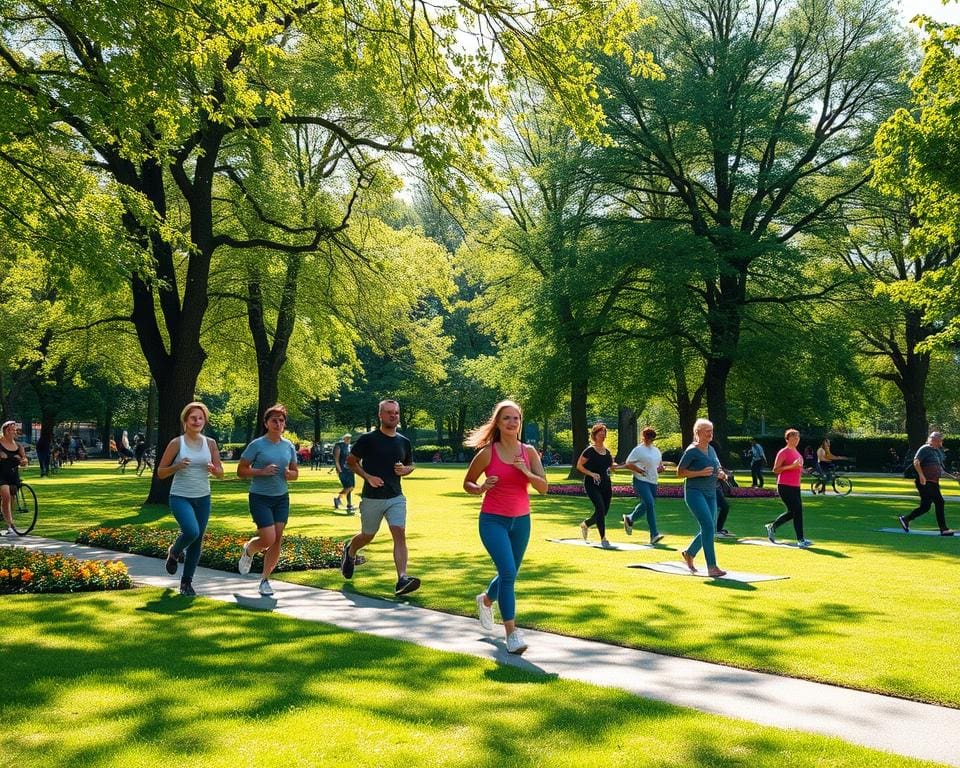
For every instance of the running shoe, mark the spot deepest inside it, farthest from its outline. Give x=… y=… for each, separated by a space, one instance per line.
x=336 y=502
x=627 y=525
x=485 y=612
x=604 y=543
x=770 y=534
x=904 y=523
x=245 y=561
x=657 y=538
x=346 y=563
x=171 y=562
x=265 y=589
x=948 y=532
x=350 y=509
x=406 y=585
x=804 y=543
x=186 y=588
x=515 y=643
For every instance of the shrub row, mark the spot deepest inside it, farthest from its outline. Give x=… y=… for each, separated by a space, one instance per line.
x=220 y=550
x=24 y=570
x=663 y=491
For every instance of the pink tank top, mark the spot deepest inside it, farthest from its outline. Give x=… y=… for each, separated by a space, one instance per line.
x=509 y=497
x=789 y=477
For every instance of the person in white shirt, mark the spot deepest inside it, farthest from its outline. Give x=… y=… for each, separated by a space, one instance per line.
x=645 y=462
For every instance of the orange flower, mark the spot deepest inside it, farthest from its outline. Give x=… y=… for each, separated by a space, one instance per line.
x=4 y=573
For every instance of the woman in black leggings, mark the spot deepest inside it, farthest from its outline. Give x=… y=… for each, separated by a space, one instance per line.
x=595 y=464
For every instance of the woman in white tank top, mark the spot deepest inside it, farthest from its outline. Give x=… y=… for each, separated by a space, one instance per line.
x=190 y=459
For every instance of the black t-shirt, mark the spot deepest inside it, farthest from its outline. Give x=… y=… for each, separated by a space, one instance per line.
x=597 y=462
x=378 y=453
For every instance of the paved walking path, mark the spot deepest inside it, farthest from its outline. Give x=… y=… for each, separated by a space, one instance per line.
x=881 y=722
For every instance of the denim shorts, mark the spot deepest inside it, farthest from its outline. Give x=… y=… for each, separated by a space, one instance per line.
x=269 y=510
x=347 y=479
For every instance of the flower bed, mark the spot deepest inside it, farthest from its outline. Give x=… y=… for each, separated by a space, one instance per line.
x=24 y=570
x=220 y=550
x=663 y=491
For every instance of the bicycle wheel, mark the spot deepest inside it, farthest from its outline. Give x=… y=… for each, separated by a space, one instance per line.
x=842 y=485
x=24 y=509
x=817 y=486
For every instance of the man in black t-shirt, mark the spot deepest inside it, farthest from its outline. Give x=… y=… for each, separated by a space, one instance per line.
x=381 y=458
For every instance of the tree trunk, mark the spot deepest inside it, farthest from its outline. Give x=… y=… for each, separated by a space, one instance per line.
x=150 y=430
x=578 y=419
x=626 y=432
x=317 y=430
x=718 y=370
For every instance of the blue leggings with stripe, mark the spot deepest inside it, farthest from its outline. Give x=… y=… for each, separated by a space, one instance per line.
x=505 y=539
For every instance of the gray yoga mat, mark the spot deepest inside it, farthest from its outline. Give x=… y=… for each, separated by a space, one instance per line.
x=767 y=543
x=614 y=546
x=917 y=532
x=679 y=569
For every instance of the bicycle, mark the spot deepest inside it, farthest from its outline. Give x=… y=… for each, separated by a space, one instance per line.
x=24 y=508
x=146 y=462
x=841 y=484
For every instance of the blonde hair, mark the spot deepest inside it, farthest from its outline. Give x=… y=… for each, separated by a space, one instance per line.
x=196 y=405
x=489 y=432
x=700 y=424
x=789 y=432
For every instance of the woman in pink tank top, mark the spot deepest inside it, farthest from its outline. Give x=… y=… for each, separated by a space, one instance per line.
x=509 y=467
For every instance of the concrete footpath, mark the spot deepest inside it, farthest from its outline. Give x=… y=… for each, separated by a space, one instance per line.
x=881 y=722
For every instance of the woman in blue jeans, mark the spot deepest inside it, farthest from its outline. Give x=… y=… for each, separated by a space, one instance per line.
x=509 y=467
x=646 y=463
x=191 y=459
x=700 y=468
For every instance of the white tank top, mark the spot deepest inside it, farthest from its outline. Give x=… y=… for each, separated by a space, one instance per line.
x=192 y=482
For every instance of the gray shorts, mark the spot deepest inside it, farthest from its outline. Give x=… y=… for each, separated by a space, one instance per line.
x=372 y=512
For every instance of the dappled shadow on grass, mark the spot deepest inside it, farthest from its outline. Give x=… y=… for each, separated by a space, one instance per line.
x=217 y=683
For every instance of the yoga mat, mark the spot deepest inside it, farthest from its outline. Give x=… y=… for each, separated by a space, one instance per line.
x=679 y=569
x=767 y=543
x=917 y=531
x=614 y=546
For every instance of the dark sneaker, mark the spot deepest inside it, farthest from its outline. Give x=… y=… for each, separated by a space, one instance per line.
x=171 y=563
x=186 y=588
x=654 y=539
x=336 y=502
x=904 y=524
x=407 y=584
x=350 y=509
x=346 y=563
x=947 y=532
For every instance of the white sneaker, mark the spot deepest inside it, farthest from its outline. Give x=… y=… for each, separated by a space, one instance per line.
x=770 y=534
x=627 y=525
x=8 y=532
x=485 y=612
x=584 y=531
x=265 y=589
x=804 y=543
x=243 y=565
x=515 y=643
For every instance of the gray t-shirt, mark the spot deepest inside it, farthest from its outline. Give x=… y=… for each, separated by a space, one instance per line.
x=263 y=452
x=695 y=459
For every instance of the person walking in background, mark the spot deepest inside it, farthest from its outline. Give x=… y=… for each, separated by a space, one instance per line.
x=595 y=464
x=646 y=463
x=509 y=467
x=139 y=449
x=788 y=467
x=44 y=447
x=758 y=460
x=316 y=452
x=191 y=459
x=700 y=468
x=270 y=462
x=382 y=457
x=930 y=464
x=723 y=506
x=12 y=457
x=347 y=479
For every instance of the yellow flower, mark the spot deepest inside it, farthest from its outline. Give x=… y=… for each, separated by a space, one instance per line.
x=4 y=573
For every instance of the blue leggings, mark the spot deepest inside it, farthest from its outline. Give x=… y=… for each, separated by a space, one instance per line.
x=505 y=539
x=193 y=516
x=703 y=506
x=646 y=493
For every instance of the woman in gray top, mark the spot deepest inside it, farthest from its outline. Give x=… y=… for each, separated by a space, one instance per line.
x=700 y=468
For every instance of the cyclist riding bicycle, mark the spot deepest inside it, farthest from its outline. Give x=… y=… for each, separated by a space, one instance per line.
x=825 y=459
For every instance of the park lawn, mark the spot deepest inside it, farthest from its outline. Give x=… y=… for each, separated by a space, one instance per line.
x=868 y=610
x=144 y=678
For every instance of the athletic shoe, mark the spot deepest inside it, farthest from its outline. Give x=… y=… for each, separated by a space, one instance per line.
x=627 y=525
x=804 y=543
x=245 y=561
x=723 y=533
x=515 y=643
x=485 y=612
x=336 y=502
x=584 y=531
x=769 y=527
x=904 y=523
x=346 y=563
x=186 y=588
x=171 y=563
x=265 y=589
x=947 y=532
x=658 y=537
x=604 y=543
x=350 y=509
x=8 y=532
x=406 y=585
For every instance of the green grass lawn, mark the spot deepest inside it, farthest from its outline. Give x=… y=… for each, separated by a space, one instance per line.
x=143 y=678
x=862 y=609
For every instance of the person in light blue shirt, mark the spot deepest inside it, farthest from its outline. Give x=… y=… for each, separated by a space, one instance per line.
x=269 y=462
x=700 y=468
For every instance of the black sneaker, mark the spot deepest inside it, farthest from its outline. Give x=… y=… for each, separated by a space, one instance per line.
x=186 y=588
x=904 y=524
x=346 y=563
x=407 y=584
x=171 y=563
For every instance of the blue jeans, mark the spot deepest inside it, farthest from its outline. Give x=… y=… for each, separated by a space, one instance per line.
x=193 y=516
x=505 y=539
x=646 y=492
x=703 y=506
